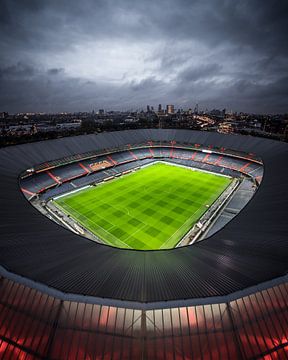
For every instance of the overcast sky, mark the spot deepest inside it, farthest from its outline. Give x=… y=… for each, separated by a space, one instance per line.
x=71 y=55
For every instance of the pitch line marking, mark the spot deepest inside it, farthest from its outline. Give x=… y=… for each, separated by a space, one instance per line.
x=132 y=217
x=95 y=224
x=200 y=208
x=116 y=208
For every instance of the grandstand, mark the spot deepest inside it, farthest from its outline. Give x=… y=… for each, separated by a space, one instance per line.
x=102 y=167
x=63 y=296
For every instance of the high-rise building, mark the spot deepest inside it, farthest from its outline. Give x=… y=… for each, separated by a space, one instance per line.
x=159 y=108
x=3 y=115
x=170 y=109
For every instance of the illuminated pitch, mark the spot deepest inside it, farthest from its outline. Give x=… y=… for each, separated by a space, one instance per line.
x=151 y=208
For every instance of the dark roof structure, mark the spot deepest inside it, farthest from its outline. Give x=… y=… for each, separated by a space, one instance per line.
x=251 y=249
x=63 y=296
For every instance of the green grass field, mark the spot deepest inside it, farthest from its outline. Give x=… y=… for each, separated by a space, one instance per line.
x=151 y=208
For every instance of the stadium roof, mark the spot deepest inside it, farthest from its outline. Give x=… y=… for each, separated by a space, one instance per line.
x=249 y=250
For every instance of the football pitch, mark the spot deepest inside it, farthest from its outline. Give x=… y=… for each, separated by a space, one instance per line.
x=151 y=208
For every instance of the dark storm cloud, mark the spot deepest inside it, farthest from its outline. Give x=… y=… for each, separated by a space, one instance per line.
x=200 y=72
x=62 y=55
x=17 y=71
x=146 y=84
x=55 y=71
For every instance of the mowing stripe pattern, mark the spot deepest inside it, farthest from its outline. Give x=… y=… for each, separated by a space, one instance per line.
x=152 y=208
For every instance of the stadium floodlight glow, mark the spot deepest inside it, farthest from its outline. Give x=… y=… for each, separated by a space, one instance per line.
x=120 y=199
x=173 y=201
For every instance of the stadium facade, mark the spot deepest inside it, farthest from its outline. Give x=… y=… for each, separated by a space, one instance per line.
x=65 y=297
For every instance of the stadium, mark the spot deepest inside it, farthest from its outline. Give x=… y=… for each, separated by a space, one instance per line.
x=144 y=244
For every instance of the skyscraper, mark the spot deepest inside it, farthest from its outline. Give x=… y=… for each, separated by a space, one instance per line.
x=170 y=109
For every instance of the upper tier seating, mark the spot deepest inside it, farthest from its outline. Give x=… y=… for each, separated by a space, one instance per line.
x=68 y=172
x=38 y=182
x=86 y=171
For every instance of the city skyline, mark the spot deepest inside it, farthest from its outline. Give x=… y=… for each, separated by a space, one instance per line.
x=72 y=56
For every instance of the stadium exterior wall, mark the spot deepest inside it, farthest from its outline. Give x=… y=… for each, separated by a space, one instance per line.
x=35 y=325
